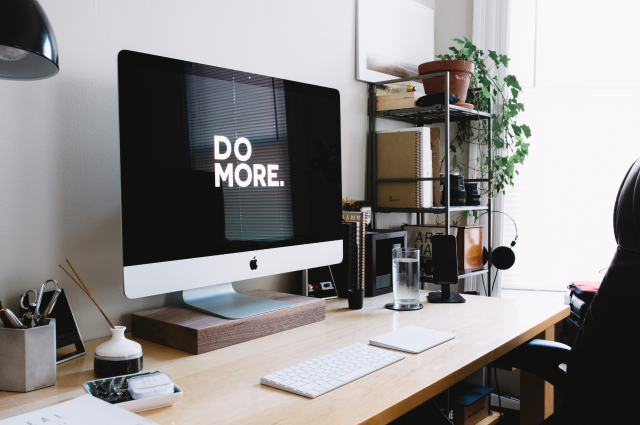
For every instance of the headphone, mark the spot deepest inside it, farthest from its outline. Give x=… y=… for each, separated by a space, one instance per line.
x=502 y=257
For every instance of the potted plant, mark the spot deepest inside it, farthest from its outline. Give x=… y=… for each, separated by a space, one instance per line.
x=459 y=72
x=509 y=146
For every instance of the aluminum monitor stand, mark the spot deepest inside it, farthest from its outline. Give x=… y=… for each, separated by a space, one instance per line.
x=222 y=300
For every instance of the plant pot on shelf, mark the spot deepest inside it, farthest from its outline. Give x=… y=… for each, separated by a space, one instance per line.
x=458 y=78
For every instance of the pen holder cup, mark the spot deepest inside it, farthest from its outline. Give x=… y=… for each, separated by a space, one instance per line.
x=28 y=357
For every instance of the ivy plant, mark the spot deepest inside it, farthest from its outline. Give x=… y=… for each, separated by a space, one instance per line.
x=509 y=146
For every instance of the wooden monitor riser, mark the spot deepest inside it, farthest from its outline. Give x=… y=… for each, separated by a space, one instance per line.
x=196 y=332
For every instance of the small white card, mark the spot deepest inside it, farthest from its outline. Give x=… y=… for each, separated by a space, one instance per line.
x=412 y=339
x=80 y=411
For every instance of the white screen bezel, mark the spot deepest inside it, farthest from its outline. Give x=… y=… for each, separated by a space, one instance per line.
x=145 y=280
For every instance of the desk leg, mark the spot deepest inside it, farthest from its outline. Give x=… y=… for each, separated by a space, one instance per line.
x=536 y=395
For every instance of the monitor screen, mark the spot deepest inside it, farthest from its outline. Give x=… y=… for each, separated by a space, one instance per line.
x=216 y=162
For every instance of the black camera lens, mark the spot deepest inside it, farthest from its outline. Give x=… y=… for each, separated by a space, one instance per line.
x=473 y=195
x=458 y=194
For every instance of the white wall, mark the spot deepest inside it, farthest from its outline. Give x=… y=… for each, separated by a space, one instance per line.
x=59 y=175
x=454 y=19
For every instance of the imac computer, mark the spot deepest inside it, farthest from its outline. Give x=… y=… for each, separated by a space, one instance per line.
x=225 y=175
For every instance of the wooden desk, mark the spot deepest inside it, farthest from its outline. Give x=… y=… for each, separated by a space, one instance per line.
x=223 y=386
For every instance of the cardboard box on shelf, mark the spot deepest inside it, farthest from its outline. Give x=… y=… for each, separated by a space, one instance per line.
x=470 y=403
x=397 y=100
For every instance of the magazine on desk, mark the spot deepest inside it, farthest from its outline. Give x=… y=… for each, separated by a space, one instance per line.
x=79 y=411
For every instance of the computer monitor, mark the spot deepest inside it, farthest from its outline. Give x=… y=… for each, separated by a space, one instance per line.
x=225 y=175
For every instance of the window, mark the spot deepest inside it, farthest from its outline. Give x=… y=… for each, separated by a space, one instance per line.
x=576 y=64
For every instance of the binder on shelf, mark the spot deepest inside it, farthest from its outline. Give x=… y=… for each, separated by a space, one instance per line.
x=359 y=236
x=435 y=161
x=404 y=153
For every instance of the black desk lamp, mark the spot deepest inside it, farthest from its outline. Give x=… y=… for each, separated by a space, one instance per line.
x=28 y=49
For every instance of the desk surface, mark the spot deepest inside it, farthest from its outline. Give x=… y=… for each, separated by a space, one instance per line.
x=223 y=386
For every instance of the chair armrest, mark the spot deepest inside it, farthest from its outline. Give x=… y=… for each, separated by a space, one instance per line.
x=542 y=358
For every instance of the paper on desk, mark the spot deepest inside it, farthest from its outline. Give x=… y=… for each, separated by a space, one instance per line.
x=412 y=339
x=83 y=410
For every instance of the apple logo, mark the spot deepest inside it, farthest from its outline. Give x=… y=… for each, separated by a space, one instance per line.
x=253 y=264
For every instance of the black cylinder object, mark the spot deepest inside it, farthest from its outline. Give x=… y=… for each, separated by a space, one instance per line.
x=356 y=299
x=458 y=194
x=473 y=195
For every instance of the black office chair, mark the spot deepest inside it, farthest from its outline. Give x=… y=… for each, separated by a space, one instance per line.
x=602 y=382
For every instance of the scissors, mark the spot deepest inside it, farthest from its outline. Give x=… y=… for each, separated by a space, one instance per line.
x=38 y=299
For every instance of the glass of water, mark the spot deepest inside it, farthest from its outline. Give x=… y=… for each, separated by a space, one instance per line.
x=406 y=278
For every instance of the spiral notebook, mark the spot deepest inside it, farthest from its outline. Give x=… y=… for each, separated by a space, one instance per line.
x=404 y=153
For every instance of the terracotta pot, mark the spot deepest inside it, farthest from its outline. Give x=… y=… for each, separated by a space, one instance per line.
x=458 y=77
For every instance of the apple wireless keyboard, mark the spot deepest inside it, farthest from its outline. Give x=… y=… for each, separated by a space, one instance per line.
x=325 y=373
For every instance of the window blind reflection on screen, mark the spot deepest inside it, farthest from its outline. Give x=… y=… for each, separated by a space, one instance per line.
x=237 y=104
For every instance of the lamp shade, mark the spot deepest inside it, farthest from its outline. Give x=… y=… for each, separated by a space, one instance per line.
x=28 y=49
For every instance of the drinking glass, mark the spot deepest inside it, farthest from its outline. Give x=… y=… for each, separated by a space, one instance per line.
x=406 y=278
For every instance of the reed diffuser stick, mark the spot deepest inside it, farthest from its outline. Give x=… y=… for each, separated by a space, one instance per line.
x=86 y=291
x=72 y=278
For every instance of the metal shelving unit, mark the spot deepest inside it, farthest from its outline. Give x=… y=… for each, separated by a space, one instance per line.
x=420 y=116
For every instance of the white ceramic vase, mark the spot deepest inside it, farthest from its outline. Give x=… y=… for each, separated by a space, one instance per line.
x=118 y=356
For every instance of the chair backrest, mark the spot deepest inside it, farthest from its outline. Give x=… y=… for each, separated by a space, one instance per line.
x=603 y=373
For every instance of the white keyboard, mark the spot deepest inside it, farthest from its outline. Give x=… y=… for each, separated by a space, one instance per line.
x=325 y=373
